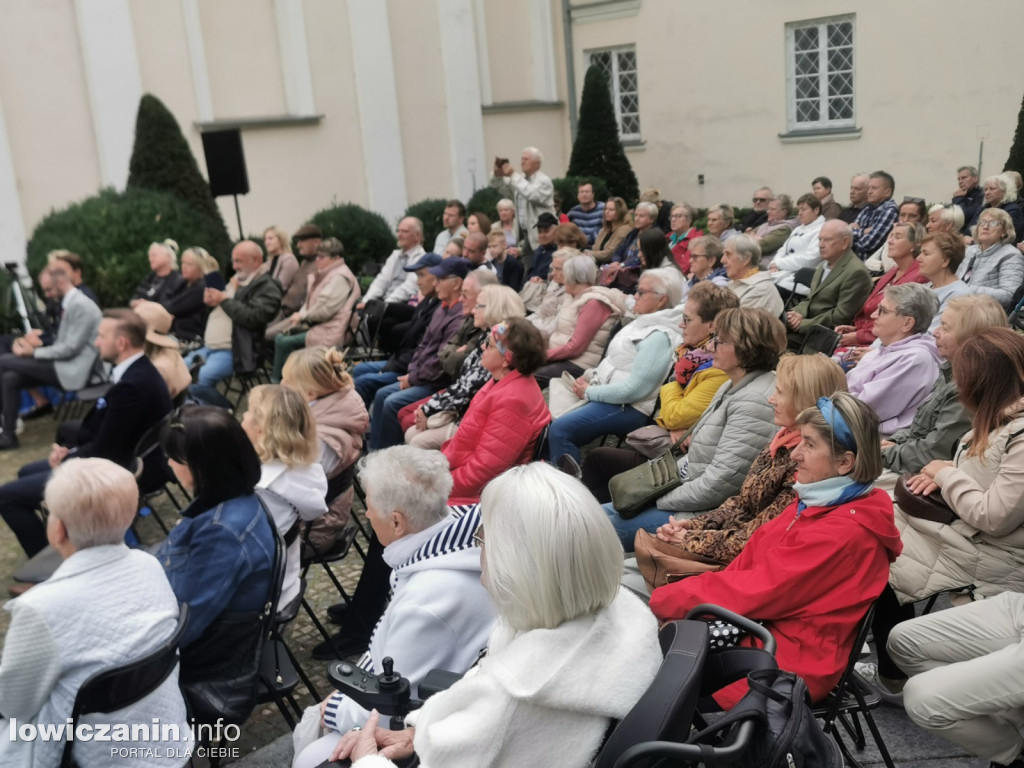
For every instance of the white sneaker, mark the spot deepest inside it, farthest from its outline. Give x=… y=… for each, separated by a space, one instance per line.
x=868 y=670
x=19 y=427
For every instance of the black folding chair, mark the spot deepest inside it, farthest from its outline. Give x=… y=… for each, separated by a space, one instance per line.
x=116 y=689
x=853 y=697
x=819 y=339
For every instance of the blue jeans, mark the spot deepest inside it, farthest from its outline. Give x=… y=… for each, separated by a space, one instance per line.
x=649 y=520
x=219 y=364
x=369 y=378
x=589 y=422
x=385 y=430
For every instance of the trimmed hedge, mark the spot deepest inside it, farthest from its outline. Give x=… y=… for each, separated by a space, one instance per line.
x=112 y=231
x=366 y=235
x=485 y=201
x=431 y=213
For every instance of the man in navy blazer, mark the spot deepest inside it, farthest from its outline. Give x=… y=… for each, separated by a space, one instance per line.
x=137 y=401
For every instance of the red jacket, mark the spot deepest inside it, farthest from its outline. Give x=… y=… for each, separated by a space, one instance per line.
x=499 y=430
x=810 y=579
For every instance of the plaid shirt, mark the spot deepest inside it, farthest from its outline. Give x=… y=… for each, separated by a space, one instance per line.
x=873 y=226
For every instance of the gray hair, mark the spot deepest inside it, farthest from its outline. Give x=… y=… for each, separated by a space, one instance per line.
x=916 y=301
x=765 y=189
x=171 y=247
x=502 y=303
x=416 y=224
x=688 y=209
x=1001 y=181
x=534 y=153
x=552 y=554
x=997 y=213
x=728 y=215
x=95 y=499
x=746 y=248
x=1010 y=187
x=951 y=214
x=482 y=276
x=668 y=281
x=505 y=203
x=580 y=270
x=970 y=169
x=841 y=229
x=565 y=253
x=408 y=480
x=650 y=208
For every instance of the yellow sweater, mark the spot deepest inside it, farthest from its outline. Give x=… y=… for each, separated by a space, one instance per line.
x=680 y=408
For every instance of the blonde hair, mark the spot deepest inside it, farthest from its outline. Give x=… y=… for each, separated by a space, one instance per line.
x=974 y=312
x=171 y=246
x=203 y=259
x=502 y=303
x=95 y=499
x=317 y=370
x=808 y=377
x=288 y=431
x=282 y=237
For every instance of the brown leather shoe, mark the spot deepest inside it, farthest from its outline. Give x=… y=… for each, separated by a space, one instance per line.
x=19 y=588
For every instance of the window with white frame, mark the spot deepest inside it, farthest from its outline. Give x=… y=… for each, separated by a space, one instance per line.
x=619 y=64
x=821 y=73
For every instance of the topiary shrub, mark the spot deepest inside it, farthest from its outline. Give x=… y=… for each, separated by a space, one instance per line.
x=365 y=234
x=485 y=201
x=597 y=150
x=567 y=187
x=431 y=213
x=161 y=160
x=1015 y=161
x=112 y=231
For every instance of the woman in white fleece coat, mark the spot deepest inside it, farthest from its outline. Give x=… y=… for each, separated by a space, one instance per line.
x=570 y=653
x=292 y=483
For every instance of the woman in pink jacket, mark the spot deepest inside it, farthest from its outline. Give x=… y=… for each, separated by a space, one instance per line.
x=505 y=417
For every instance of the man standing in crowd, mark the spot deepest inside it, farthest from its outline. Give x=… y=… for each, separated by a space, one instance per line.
x=589 y=214
x=875 y=221
x=531 y=190
x=454 y=219
x=858 y=198
x=970 y=196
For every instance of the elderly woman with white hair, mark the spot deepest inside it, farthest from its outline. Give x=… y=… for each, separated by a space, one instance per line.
x=627 y=261
x=571 y=652
x=164 y=279
x=508 y=225
x=945 y=218
x=991 y=264
x=720 y=222
x=619 y=395
x=896 y=377
x=741 y=257
x=104 y=607
x=583 y=325
x=1001 y=194
x=554 y=296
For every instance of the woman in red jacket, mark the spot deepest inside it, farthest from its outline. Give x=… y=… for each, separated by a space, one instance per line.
x=505 y=417
x=812 y=572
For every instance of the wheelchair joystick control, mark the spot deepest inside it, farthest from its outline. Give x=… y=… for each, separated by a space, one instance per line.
x=389 y=681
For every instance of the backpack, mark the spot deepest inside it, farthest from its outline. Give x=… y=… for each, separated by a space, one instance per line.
x=788 y=736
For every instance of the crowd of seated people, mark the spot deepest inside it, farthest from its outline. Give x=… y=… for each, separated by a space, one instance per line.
x=512 y=349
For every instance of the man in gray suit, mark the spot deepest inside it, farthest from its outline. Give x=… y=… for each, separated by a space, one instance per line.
x=68 y=363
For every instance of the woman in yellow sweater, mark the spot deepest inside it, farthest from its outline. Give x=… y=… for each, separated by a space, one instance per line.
x=684 y=399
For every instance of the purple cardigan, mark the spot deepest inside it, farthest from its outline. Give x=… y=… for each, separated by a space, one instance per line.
x=425 y=368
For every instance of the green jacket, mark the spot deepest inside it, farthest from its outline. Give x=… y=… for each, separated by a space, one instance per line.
x=839 y=297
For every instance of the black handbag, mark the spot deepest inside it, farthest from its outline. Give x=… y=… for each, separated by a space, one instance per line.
x=931 y=507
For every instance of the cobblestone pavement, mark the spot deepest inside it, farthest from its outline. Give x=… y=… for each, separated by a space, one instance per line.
x=266 y=724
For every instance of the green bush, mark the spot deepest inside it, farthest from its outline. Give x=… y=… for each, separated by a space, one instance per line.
x=485 y=201
x=567 y=187
x=1015 y=161
x=597 y=150
x=162 y=161
x=365 y=234
x=112 y=231
x=431 y=213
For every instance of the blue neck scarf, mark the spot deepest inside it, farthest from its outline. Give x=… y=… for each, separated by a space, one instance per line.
x=829 y=493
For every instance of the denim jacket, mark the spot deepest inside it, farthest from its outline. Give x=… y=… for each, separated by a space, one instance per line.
x=219 y=559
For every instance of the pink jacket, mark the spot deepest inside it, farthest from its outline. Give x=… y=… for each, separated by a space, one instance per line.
x=341 y=422
x=330 y=297
x=499 y=431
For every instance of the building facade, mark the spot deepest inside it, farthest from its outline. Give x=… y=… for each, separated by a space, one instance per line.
x=387 y=102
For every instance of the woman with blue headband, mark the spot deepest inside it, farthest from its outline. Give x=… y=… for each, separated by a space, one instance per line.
x=811 y=573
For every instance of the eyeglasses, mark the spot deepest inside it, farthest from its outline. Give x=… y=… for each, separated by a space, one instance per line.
x=883 y=310
x=761 y=199
x=717 y=341
x=641 y=293
x=909 y=199
x=989 y=224
x=480 y=306
x=478 y=537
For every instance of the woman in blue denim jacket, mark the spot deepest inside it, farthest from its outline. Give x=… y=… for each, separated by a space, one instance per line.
x=219 y=559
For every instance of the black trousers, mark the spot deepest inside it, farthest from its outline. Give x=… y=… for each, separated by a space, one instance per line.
x=603 y=463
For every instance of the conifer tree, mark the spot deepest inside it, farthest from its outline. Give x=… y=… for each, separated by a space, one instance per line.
x=161 y=160
x=597 y=150
x=1015 y=162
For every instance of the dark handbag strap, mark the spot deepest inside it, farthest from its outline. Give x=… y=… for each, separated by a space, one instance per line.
x=675 y=449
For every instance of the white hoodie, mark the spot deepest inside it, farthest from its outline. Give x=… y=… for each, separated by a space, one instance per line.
x=290 y=494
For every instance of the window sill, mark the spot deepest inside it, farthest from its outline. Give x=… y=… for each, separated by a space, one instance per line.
x=604 y=10
x=819 y=134
x=634 y=145
x=520 y=106
x=277 y=121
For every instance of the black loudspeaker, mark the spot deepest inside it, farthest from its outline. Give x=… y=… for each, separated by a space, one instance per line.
x=225 y=162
